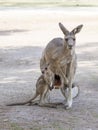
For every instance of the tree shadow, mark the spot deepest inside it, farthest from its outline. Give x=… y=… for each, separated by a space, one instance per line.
x=87 y=70
x=19 y=71
x=10 y=32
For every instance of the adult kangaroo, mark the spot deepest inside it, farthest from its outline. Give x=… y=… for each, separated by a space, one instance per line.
x=60 y=55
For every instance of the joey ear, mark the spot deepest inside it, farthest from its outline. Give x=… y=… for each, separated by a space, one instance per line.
x=77 y=29
x=64 y=30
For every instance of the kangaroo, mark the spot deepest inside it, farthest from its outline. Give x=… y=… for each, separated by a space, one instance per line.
x=53 y=79
x=42 y=90
x=62 y=52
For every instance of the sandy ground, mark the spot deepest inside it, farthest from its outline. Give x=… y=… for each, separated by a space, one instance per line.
x=23 y=36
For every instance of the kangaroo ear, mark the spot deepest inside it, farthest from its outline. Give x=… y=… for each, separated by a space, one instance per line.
x=77 y=29
x=64 y=30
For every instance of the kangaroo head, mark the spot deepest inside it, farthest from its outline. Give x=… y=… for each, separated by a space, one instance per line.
x=48 y=74
x=69 y=37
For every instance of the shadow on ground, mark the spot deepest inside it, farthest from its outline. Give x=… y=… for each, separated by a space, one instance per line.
x=13 y=31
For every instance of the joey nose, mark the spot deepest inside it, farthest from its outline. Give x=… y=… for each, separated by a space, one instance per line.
x=42 y=72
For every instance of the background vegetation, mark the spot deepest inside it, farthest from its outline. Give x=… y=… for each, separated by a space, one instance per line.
x=47 y=3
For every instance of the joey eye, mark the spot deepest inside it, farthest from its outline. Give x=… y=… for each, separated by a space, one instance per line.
x=66 y=39
x=45 y=68
x=42 y=72
x=74 y=39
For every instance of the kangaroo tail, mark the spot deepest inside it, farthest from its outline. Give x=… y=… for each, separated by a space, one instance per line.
x=23 y=103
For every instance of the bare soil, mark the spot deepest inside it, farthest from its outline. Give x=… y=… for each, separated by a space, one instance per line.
x=23 y=36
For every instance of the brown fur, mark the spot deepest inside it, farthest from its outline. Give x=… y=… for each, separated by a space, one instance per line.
x=42 y=90
x=60 y=55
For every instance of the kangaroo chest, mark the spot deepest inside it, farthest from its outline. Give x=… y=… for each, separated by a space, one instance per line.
x=60 y=57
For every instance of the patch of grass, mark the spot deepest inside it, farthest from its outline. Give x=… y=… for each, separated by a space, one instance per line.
x=95 y=115
x=58 y=126
x=34 y=128
x=15 y=127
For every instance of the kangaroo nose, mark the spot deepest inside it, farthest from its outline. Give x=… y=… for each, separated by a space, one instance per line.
x=70 y=46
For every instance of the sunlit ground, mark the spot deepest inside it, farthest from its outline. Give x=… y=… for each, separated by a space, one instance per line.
x=35 y=27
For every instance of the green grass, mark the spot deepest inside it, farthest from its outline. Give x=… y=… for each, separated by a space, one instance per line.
x=47 y=3
x=15 y=127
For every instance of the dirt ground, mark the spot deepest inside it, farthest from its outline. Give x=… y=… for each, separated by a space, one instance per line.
x=23 y=36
